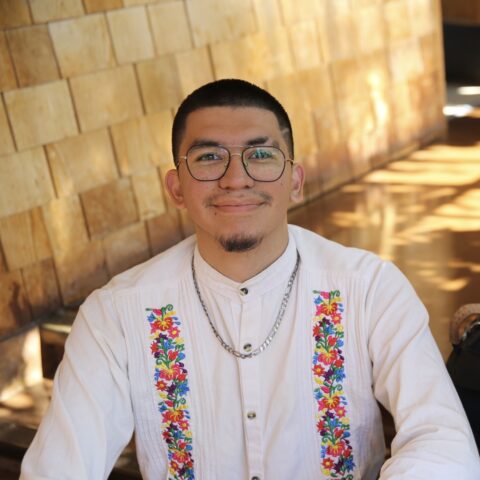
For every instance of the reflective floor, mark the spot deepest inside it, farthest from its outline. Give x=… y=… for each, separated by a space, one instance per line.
x=423 y=213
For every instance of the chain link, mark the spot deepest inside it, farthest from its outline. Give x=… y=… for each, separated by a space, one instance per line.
x=274 y=328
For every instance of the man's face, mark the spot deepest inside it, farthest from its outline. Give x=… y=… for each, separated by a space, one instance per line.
x=235 y=211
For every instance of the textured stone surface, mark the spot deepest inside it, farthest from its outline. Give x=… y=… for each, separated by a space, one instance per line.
x=41 y=114
x=14 y=310
x=144 y=142
x=164 y=231
x=29 y=170
x=194 y=69
x=106 y=97
x=159 y=83
x=41 y=287
x=148 y=193
x=33 y=55
x=82 y=162
x=24 y=239
x=7 y=73
x=170 y=27
x=109 y=207
x=131 y=34
x=6 y=139
x=65 y=226
x=48 y=10
x=92 y=6
x=82 y=44
x=14 y=13
x=126 y=248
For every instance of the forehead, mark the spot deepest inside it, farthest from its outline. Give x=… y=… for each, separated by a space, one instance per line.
x=231 y=125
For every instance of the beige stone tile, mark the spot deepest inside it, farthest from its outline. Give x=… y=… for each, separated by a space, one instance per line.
x=300 y=10
x=93 y=6
x=371 y=28
x=65 y=226
x=171 y=31
x=160 y=83
x=14 y=310
x=131 y=34
x=109 y=207
x=405 y=60
x=14 y=13
x=7 y=73
x=304 y=40
x=425 y=19
x=106 y=97
x=48 y=10
x=24 y=239
x=214 y=21
x=194 y=69
x=143 y=143
x=81 y=273
x=432 y=53
x=6 y=139
x=247 y=58
x=318 y=88
x=294 y=96
x=398 y=20
x=24 y=181
x=268 y=13
x=164 y=231
x=82 y=44
x=338 y=17
x=41 y=114
x=41 y=287
x=32 y=54
x=148 y=193
x=82 y=162
x=126 y=248
x=131 y=3
x=348 y=78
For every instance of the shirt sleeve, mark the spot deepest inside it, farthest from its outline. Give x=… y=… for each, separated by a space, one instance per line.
x=433 y=439
x=90 y=419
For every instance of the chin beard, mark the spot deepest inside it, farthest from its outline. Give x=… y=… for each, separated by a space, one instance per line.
x=239 y=243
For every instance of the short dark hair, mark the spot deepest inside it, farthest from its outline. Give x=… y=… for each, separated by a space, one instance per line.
x=229 y=93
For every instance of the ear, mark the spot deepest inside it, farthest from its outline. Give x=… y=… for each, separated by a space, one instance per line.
x=298 y=178
x=174 y=189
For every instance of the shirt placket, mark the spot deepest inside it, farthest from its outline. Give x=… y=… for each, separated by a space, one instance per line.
x=249 y=369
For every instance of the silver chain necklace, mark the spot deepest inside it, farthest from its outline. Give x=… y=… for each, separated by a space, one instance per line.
x=275 y=326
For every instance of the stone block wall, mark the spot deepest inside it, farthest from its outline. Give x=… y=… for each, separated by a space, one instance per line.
x=88 y=89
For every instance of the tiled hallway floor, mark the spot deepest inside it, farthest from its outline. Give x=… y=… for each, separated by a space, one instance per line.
x=423 y=213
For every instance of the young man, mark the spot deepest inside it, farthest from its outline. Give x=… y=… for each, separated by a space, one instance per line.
x=252 y=350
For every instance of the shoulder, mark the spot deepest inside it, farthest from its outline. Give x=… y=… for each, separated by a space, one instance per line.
x=324 y=255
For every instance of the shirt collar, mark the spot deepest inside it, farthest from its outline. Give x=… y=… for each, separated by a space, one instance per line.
x=276 y=273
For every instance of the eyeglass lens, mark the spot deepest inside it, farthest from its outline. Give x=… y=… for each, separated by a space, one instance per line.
x=262 y=163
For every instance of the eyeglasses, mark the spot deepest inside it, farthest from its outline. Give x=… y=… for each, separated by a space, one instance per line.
x=262 y=163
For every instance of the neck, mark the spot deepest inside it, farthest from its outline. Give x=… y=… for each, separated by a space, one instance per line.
x=241 y=266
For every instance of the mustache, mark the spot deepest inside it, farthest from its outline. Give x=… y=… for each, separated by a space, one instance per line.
x=219 y=197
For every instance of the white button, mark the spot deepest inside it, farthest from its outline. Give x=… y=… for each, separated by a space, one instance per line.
x=247 y=347
x=251 y=415
x=255 y=478
x=244 y=291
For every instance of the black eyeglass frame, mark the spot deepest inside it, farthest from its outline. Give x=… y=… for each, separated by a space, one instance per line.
x=230 y=155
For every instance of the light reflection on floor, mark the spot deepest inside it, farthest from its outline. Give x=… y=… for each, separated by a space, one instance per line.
x=423 y=213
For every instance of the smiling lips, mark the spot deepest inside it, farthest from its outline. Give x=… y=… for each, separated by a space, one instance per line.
x=238 y=205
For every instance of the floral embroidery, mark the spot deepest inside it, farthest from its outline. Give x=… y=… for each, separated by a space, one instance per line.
x=328 y=369
x=172 y=385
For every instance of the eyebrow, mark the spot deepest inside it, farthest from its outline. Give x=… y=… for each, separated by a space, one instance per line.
x=252 y=142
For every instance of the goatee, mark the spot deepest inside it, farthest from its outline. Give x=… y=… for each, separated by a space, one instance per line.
x=239 y=243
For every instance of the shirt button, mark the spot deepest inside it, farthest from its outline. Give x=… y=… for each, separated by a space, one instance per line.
x=247 y=347
x=244 y=291
x=255 y=478
x=251 y=415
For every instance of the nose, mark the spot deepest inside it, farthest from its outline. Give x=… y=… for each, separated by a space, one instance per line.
x=236 y=177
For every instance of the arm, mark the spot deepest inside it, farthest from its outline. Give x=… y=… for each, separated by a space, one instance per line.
x=433 y=440
x=90 y=417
